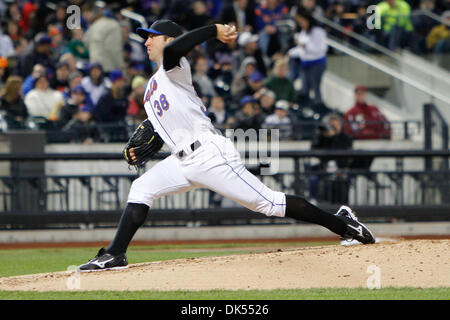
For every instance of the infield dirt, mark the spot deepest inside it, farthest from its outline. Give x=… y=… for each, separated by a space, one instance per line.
x=417 y=263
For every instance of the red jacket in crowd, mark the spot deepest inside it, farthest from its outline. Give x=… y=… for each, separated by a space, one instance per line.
x=365 y=121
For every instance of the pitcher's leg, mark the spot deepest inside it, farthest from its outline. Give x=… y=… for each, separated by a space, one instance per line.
x=299 y=208
x=133 y=217
x=162 y=179
x=226 y=174
x=240 y=185
x=220 y=169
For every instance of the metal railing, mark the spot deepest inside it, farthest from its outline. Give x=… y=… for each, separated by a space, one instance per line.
x=436 y=128
x=396 y=57
x=121 y=131
x=45 y=200
x=388 y=70
x=399 y=130
x=436 y=136
x=431 y=15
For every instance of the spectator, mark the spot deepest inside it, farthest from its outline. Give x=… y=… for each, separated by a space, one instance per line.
x=176 y=11
x=353 y=5
x=136 y=100
x=312 y=7
x=333 y=186
x=268 y=13
x=82 y=127
x=28 y=84
x=14 y=14
x=38 y=52
x=21 y=46
x=95 y=83
x=240 y=13
x=250 y=116
x=113 y=105
x=311 y=49
x=28 y=8
x=248 y=44
x=6 y=45
x=42 y=100
x=219 y=116
x=359 y=26
x=280 y=84
x=13 y=31
x=60 y=80
x=11 y=100
x=254 y=83
x=71 y=61
x=198 y=16
x=3 y=9
x=266 y=99
x=396 y=25
x=442 y=5
x=365 y=121
x=137 y=53
x=38 y=18
x=330 y=135
x=135 y=69
x=58 y=19
x=202 y=79
x=240 y=79
x=280 y=120
x=214 y=7
x=76 y=46
x=222 y=77
x=152 y=9
x=438 y=40
x=79 y=99
x=422 y=25
x=335 y=13
x=104 y=41
x=59 y=44
x=73 y=80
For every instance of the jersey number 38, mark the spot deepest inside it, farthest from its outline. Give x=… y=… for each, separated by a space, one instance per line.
x=161 y=105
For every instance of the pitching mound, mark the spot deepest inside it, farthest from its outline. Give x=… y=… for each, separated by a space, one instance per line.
x=420 y=263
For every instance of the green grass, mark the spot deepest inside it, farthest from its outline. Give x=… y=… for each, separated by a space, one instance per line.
x=297 y=294
x=28 y=261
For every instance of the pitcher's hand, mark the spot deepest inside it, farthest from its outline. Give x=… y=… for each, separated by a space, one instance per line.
x=226 y=33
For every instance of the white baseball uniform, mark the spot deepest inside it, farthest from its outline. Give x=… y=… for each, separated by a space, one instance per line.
x=179 y=117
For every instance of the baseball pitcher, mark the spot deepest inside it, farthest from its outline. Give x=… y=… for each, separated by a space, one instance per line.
x=200 y=156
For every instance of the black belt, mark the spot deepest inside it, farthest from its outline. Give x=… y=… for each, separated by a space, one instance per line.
x=194 y=146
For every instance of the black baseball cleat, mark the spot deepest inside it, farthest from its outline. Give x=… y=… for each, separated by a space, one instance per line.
x=355 y=229
x=105 y=261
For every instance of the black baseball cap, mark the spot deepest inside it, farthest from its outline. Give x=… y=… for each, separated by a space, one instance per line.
x=161 y=27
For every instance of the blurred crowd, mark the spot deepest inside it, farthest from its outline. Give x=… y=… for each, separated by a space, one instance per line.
x=82 y=74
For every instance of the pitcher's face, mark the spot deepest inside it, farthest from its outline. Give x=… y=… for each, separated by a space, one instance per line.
x=155 y=45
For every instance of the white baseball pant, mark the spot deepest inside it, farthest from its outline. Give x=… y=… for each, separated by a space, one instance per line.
x=215 y=165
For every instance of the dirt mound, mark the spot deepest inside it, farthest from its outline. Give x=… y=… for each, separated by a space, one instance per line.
x=419 y=263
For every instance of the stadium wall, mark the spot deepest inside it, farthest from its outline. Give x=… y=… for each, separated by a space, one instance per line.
x=306 y=231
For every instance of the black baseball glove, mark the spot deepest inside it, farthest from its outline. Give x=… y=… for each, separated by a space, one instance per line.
x=145 y=142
